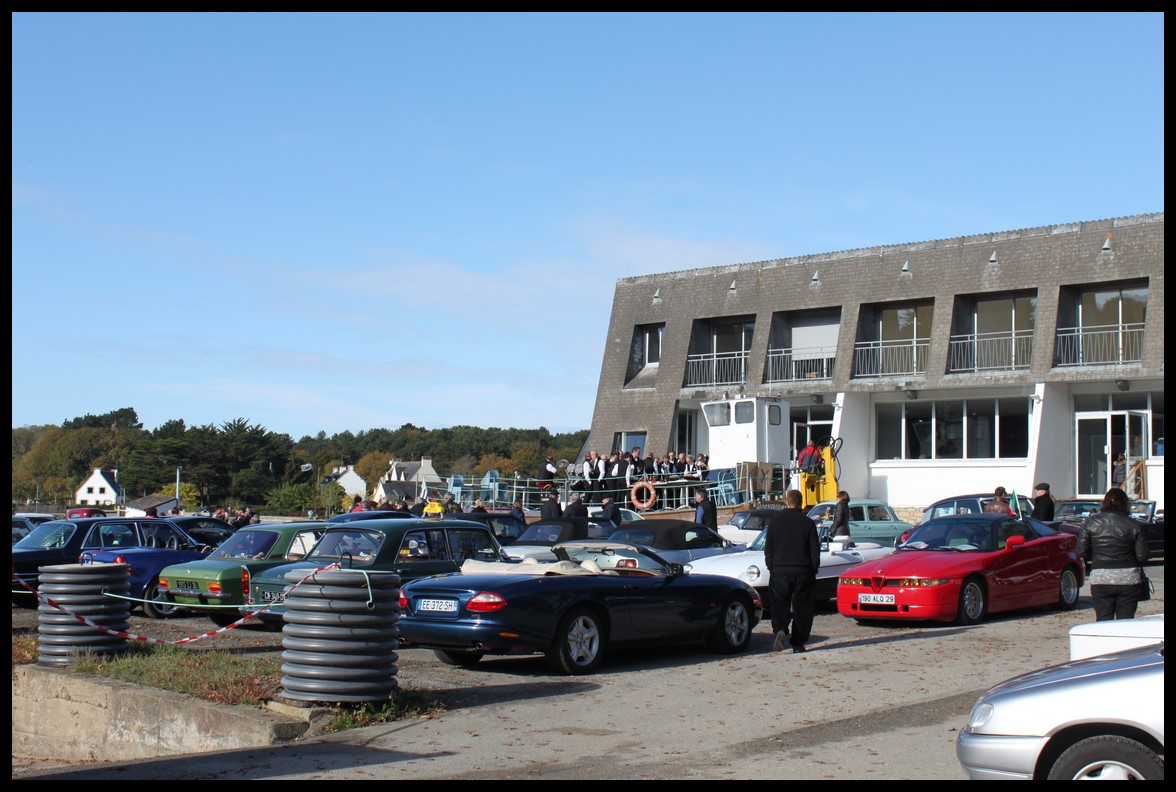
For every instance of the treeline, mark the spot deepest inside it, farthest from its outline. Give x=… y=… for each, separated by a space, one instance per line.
x=243 y=463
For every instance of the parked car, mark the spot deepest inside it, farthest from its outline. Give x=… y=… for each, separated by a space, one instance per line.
x=63 y=542
x=600 y=594
x=962 y=568
x=166 y=542
x=676 y=541
x=23 y=523
x=870 y=520
x=1103 y=637
x=745 y=526
x=541 y=536
x=1096 y=719
x=372 y=514
x=748 y=565
x=216 y=578
x=506 y=526
x=1070 y=516
x=411 y=548
x=627 y=515
x=970 y=504
x=84 y=511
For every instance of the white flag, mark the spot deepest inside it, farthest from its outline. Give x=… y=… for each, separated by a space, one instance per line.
x=424 y=490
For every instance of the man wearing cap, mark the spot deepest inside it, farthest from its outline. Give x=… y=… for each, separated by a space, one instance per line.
x=1043 y=505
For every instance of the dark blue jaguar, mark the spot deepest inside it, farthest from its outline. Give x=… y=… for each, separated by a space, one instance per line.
x=599 y=594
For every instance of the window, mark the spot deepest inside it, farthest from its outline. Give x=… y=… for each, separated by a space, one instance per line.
x=992 y=333
x=774 y=414
x=89 y=490
x=744 y=412
x=973 y=429
x=626 y=441
x=718 y=414
x=1107 y=325
x=645 y=351
x=893 y=340
x=102 y=490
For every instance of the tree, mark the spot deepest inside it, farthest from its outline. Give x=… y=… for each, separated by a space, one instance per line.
x=372 y=467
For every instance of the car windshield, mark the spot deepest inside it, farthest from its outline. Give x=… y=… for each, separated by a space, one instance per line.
x=1076 y=509
x=1143 y=510
x=207 y=535
x=738 y=518
x=47 y=535
x=957 y=535
x=246 y=544
x=539 y=533
x=355 y=543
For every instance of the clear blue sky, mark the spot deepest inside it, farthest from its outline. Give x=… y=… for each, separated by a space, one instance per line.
x=348 y=221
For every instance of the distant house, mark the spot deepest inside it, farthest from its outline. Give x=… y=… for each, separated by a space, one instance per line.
x=100 y=489
x=351 y=482
x=416 y=473
x=392 y=491
x=162 y=503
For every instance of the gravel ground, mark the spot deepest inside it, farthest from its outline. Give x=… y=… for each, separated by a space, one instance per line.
x=882 y=701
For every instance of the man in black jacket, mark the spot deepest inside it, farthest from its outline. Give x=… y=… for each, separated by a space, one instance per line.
x=1043 y=505
x=575 y=508
x=550 y=509
x=792 y=553
x=704 y=511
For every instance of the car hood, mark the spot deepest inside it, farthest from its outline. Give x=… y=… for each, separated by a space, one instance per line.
x=1120 y=687
x=918 y=563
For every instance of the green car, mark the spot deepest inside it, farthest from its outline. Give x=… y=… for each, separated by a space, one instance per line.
x=870 y=520
x=411 y=548
x=216 y=578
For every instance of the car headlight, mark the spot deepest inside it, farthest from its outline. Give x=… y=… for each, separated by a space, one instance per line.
x=919 y=582
x=688 y=568
x=752 y=574
x=853 y=581
x=980 y=715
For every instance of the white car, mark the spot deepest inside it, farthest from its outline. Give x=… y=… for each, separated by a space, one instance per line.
x=1096 y=638
x=745 y=526
x=627 y=515
x=748 y=565
x=1097 y=719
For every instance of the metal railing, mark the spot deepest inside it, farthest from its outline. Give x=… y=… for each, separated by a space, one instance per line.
x=716 y=368
x=886 y=358
x=800 y=363
x=1099 y=345
x=990 y=351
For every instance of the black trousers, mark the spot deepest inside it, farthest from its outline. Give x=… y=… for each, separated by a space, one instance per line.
x=1115 y=602
x=792 y=605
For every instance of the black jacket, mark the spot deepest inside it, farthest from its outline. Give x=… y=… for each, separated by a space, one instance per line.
x=840 y=525
x=1112 y=540
x=792 y=541
x=1043 y=508
x=550 y=510
x=575 y=508
x=710 y=516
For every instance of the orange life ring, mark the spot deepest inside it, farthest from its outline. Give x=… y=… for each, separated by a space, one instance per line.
x=648 y=502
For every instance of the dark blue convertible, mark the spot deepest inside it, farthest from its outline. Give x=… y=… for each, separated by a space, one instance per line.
x=598 y=594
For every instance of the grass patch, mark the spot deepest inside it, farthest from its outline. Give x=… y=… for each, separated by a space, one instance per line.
x=225 y=678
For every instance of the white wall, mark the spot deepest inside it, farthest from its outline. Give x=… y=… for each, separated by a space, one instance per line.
x=921 y=482
x=851 y=423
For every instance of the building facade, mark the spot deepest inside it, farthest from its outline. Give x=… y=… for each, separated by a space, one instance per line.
x=945 y=367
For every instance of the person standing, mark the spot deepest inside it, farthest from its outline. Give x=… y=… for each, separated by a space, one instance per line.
x=839 y=530
x=609 y=517
x=1115 y=548
x=1043 y=505
x=547 y=471
x=704 y=510
x=1119 y=471
x=517 y=511
x=792 y=553
x=575 y=508
x=550 y=509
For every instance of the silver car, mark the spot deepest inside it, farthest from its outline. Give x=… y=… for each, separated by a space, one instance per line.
x=1097 y=719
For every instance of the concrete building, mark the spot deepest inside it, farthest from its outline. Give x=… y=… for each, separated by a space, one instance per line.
x=945 y=367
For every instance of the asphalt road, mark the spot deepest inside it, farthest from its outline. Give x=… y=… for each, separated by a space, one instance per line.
x=866 y=702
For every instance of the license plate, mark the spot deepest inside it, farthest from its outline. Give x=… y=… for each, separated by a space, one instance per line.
x=437 y=606
x=876 y=599
x=270 y=596
x=187 y=585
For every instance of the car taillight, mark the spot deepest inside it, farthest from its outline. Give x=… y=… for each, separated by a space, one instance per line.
x=214 y=588
x=486 y=601
x=403 y=601
x=163 y=584
x=244 y=581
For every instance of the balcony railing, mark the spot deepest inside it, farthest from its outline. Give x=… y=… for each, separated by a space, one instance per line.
x=1100 y=346
x=990 y=351
x=888 y=358
x=789 y=365
x=716 y=368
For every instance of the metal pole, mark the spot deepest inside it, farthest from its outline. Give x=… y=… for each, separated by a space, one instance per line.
x=178 y=469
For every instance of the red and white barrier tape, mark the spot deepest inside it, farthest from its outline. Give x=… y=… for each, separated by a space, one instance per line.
x=133 y=637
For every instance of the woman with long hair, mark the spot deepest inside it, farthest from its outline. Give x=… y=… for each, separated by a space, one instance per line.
x=1115 y=548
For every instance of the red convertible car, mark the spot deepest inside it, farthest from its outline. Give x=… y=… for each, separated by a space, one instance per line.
x=963 y=567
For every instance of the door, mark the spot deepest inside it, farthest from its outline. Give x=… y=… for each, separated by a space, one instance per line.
x=1102 y=437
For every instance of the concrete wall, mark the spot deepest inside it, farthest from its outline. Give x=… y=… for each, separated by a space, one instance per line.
x=62 y=714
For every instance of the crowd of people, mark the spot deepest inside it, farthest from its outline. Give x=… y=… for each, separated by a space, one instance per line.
x=616 y=473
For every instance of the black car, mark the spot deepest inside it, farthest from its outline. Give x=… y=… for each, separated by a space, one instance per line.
x=540 y=536
x=373 y=514
x=63 y=542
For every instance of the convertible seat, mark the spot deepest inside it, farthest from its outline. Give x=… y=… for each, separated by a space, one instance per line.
x=592 y=567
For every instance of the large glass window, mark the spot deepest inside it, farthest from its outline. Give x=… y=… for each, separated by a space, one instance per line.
x=973 y=428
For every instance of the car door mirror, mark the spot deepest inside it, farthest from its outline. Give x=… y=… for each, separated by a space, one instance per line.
x=673 y=570
x=1016 y=540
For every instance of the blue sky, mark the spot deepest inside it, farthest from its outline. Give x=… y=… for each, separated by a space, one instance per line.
x=347 y=221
